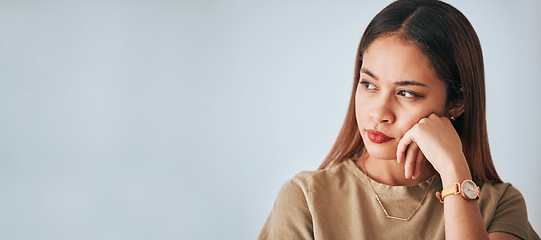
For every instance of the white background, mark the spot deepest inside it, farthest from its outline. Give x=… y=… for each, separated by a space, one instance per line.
x=182 y=119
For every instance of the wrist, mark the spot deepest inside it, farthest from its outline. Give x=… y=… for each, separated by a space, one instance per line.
x=455 y=173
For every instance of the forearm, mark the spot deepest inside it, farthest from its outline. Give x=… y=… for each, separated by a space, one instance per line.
x=463 y=218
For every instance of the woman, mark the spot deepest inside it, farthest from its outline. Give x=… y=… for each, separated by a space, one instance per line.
x=412 y=160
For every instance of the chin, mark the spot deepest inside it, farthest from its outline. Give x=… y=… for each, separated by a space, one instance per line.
x=381 y=152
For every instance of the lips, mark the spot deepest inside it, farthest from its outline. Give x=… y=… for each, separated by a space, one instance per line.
x=377 y=136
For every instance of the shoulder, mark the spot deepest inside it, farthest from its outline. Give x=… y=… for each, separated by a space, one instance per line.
x=291 y=216
x=494 y=196
x=305 y=183
x=496 y=192
x=504 y=210
x=501 y=196
x=322 y=179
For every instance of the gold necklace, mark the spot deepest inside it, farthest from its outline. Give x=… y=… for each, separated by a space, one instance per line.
x=381 y=204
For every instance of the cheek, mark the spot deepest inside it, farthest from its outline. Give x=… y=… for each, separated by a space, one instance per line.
x=361 y=106
x=407 y=121
x=411 y=116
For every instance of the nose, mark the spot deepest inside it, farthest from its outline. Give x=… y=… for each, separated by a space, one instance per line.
x=382 y=111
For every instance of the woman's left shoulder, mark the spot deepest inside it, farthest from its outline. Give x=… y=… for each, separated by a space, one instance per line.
x=504 y=210
x=496 y=192
x=494 y=195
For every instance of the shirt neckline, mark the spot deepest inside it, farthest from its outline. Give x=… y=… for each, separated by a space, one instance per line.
x=352 y=167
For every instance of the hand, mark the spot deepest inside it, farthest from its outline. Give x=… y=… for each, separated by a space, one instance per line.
x=432 y=139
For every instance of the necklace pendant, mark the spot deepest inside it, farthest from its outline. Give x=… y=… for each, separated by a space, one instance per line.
x=385 y=210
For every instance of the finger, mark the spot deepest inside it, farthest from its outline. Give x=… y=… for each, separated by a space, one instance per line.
x=433 y=116
x=419 y=163
x=411 y=158
x=402 y=146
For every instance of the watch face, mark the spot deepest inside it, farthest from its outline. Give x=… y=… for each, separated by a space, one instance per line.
x=469 y=189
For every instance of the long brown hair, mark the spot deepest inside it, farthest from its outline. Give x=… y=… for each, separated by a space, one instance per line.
x=446 y=36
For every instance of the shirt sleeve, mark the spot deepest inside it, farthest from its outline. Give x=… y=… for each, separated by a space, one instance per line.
x=290 y=218
x=510 y=215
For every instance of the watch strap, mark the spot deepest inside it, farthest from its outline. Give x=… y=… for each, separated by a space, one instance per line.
x=453 y=189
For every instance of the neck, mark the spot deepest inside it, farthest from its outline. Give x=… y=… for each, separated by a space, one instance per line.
x=390 y=172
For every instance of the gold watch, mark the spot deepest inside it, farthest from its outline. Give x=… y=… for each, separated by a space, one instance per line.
x=467 y=189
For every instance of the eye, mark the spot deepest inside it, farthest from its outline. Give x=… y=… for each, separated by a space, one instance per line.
x=368 y=85
x=408 y=94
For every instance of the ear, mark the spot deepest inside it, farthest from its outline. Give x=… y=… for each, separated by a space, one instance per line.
x=456 y=108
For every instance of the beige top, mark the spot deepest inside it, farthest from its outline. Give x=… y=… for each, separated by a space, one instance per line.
x=337 y=203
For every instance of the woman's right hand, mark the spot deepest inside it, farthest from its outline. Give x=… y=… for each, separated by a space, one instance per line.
x=433 y=139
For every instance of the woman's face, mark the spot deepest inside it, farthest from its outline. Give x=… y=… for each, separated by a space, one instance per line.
x=397 y=88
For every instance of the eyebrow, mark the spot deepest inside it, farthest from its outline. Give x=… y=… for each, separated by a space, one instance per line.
x=409 y=82
x=399 y=83
x=367 y=72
